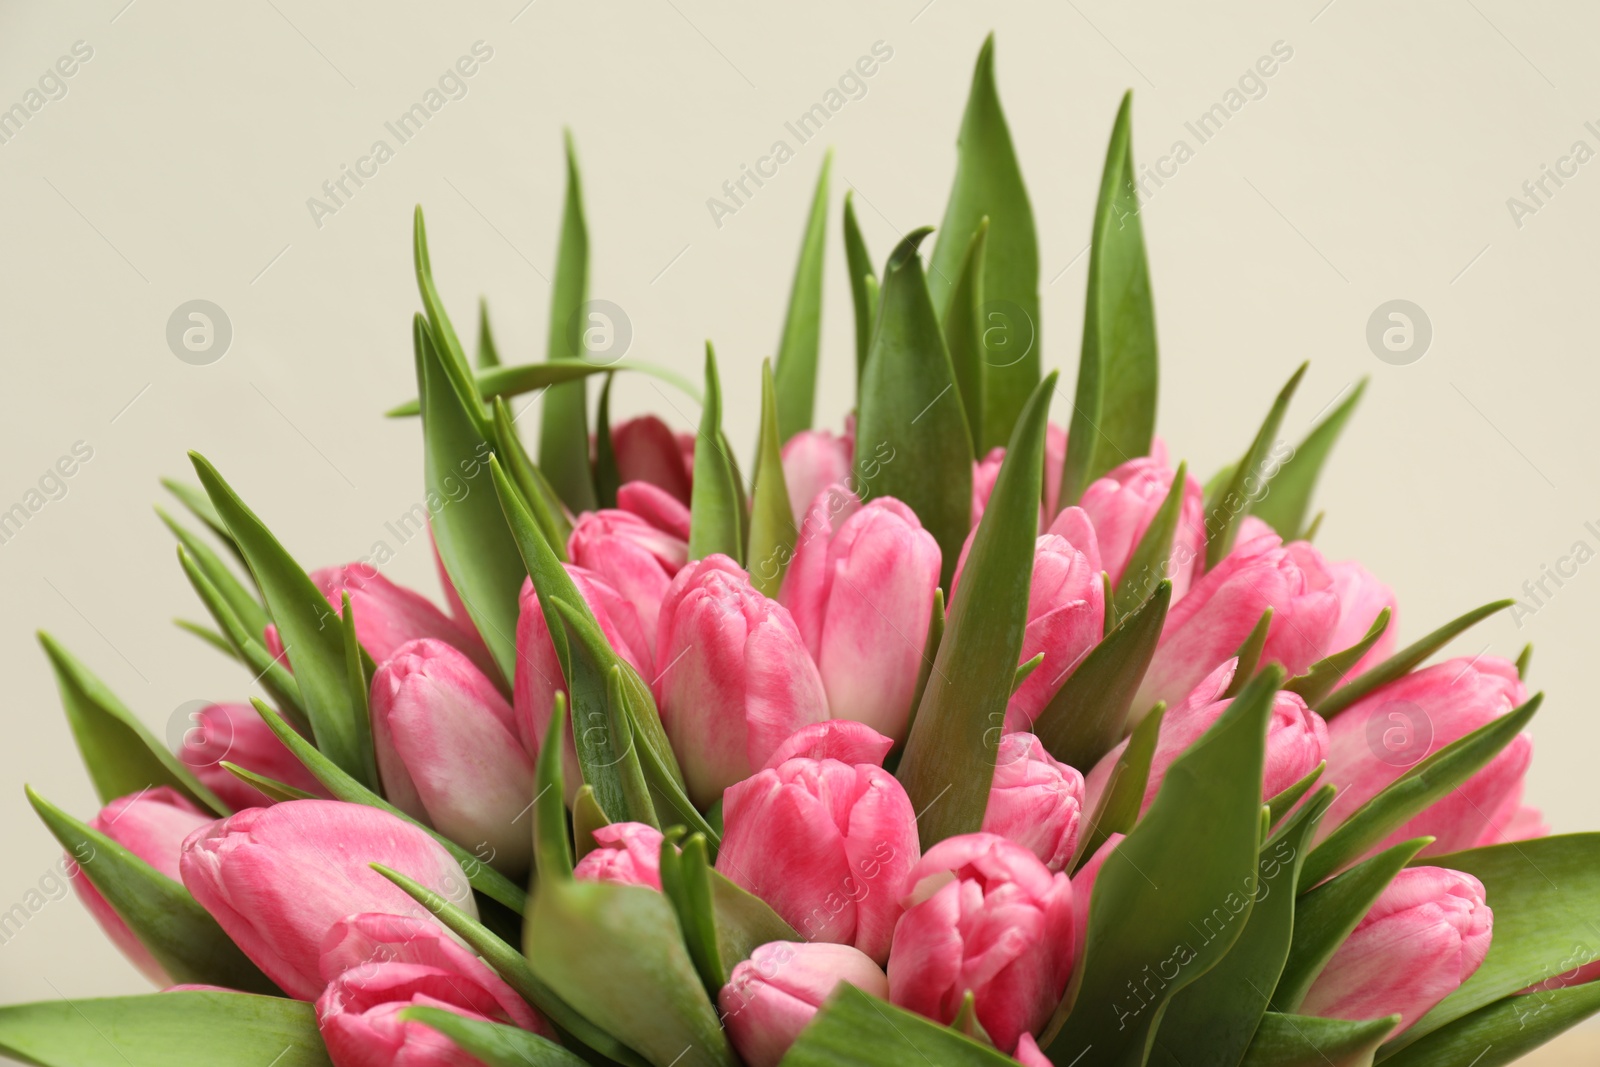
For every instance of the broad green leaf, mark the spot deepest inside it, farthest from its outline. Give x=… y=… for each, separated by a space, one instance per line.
x=1176 y=893
x=494 y=1044
x=311 y=634
x=772 y=529
x=796 y=372
x=271 y=788
x=1414 y=791
x=519 y=378
x=240 y=600
x=948 y=764
x=1114 y=410
x=607 y=478
x=1249 y=654
x=488 y=351
x=551 y=848
x=444 y=334
x=1148 y=563
x=179 y=933
x=988 y=183
x=1089 y=713
x=1308 y=1041
x=858 y=264
x=1503 y=1032
x=587 y=817
x=164 y=1030
x=745 y=922
x=471 y=535
x=1123 y=798
x=1249 y=480
x=716 y=519
x=686 y=882
x=484 y=878
x=1278 y=806
x=910 y=403
x=1284 y=509
x=537 y=495
x=120 y=754
x=1323 y=676
x=855 y=1029
x=607 y=754
x=964 y=328
x=930 y=653
x=1405 y=660
x=564 y=427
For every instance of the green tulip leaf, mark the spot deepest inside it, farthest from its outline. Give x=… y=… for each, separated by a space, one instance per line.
x=1249 y=654
x=1307 y=1041
x=1285 y=508
x=214 y=638
x=488 y=351
x=1248 y=480
x=1323 y=676
x=564 y=428
x=1504 y=1031
x=858 y=263
x=1123 y=798
x=494 y=1044
x=270 y=788
x=519 y=378
x=772 y=529
x=607 y=478
x=194 y=498
x=1404 y=661
x=716 y=513
x=587 y=817
x=1147 y=566
x=1279 y=806
x=796 y=372
x=241 y=601
x=686 y=882
x=856 y=1029
x=964 y=328
x=537 y=495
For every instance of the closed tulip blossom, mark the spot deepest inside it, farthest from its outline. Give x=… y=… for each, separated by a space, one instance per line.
x=735 y=679
x=377 y=965
x=1066 y=619
x=812 y=461
x=1362 y=599
x=863 y=600
x=1123 y=502
x=277 y=879
x=449 y=752
x=1029 y=1055
x=633 y=556
x=235 y=733
x=388 y=615
x=647 y=451
x=1392 y=729
x=771 y=996
x=1425 y=935
x=625 y=853
x=658 y=508
x=984 y=916
x=827 y=844
x=152 y=824
x=1036 y=801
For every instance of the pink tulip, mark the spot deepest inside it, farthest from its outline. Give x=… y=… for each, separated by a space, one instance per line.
x=1055 y=457
x=647 y=451
x=863 y=601
x=1391 y=730
x=1083 y=886
x=377 y=965
x=771 y=996
x=1029 y=1055
x=151 y=824
x=656 y=507
x=984 y=473
x=1036 y=800
x=1209 y=625
x=277 y=879
x=1425 y=935
x=837 y=739
x=813 y=460
x=235 y=733
x=635 y=558
x=735 y=679
x=449 y=752
x=628 y=853
x=1297 y=739
x=1513 y=821
x=1362 y=599
x=827 y=844
x=388 y=615
x=984 y=916
x=458 y=608
x=1066 y=618
x=1124 y=502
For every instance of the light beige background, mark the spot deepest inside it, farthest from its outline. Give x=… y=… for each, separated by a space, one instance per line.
x=1376 y=166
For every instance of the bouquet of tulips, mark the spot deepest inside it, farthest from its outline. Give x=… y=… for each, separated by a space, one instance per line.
x=959 y=737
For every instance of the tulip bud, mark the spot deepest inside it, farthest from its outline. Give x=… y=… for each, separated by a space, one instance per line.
x=1425 y=935
x=838 y=739
x=628 y=853
x=152 y=825
x=377 y=965
x=1385 y=734
x=1209 y=625
x=635 y=558
x=735 y=678
x=235 y=733
x=647 y=451
x=1029 y=1055
x=1036 y=800
x=449 y=753
x=388 y=615
x=863 y=600
x=1122 y=504
x=827 y=844
x=771 y=996
x=277 y=879
x=1066 y=619
x=984 y=916
x=813 y=460
x=1055 y=457
x=658 y=508
x=1362 y=599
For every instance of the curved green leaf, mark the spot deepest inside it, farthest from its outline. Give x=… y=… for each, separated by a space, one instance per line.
x=855 y=1029
x=564 y=427
x=1120 y=803
x=1403 y=661
x=716 y=519
x=240 y=600
x=1249 y=654
x=540 y=499
x=858 y=263
x=1307 y=1041
x=686 y=882
x=607 y=478
x=495 y=1044
x=488 y=351
x=1249 y=479
x=1504 y=1031
x=796 y=372
x=522 y=378
x=772 y=529
x=1148 y=564
x=964 y=329
x=270 y=788
x=444 y=334
x=1284 y=509
x=1323 y=676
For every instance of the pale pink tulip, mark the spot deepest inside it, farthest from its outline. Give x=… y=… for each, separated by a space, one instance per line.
x=1066 y=618
x=771 y=996
x=277 y=879
x=647 y=451
x=656 y=507
x=1362 y=599
x=1029 y=1055
x=983 y=915
x=813 y=460
x=627 y=853
x=634 y=557
x=1055 y=457
x=1036 y=801
x=1122 y=503
x=844 y=740
x=388 y=615
x=235 y=733
x=1425 y=935
x=735 y=679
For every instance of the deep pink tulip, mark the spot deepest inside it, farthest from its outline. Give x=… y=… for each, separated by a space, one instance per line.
x=449 y=752
x=863 y=600
x=1208 y=625
x=1122 y=504
x=627 y=853
x=1362 y=599
x=657 y=507
x=1425 y=935
x=1036 y=800
x=647 y=451
x=388 y=615
x=278 y=878
x=813 y=460
x=735 y=679
x=771 y=996
x=1029 y=1055
x=1083 y=888
x=1297 y=739
x=827 y=844
x=984 y=473
x=377 y=965
x=983 y=915
x=1379 y=738
x=1066 y=618
x=635 y=558
x=235 y=733
x=844 y=740
x=1055 y=457
x=151 y=824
